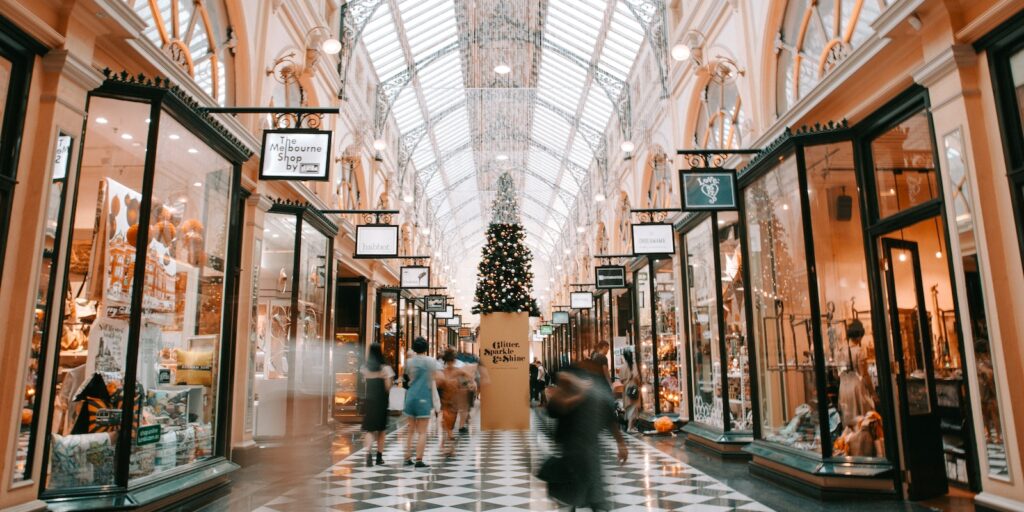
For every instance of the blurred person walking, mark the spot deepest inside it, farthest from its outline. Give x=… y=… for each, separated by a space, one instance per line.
x=452 y=383
x=631 y=381
x=582 y=404
x=419 y=400
x=379 y=378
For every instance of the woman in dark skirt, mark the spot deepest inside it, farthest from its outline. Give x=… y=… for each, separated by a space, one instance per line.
x=378 y=377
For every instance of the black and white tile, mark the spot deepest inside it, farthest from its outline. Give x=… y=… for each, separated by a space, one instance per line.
x=495 y=471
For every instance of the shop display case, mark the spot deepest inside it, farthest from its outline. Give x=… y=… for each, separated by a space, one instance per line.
x=349 y=347
x=808 y=314
x=715 y=313
x=146 y=301
x=294 y=375
x=658 y=344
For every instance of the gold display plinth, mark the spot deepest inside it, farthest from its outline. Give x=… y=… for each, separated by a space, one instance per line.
x=505 y=359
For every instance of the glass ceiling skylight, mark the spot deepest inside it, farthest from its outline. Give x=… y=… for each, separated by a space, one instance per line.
x=480 y=122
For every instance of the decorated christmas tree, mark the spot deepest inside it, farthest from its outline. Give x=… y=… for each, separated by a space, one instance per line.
x=504 y=277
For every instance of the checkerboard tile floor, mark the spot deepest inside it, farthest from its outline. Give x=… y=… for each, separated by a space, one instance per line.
x=495 y=471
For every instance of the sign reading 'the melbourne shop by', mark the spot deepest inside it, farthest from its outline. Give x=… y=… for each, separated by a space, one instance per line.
x=302 y=155
x=708 y=190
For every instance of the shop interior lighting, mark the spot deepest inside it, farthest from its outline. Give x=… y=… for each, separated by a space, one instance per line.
x=193 y=150
x=174 y=136
x=197 y=184
x=126 y=136
x=101 y=120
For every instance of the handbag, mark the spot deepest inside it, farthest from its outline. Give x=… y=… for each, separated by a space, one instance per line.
x=562 y=484
x=632 y=391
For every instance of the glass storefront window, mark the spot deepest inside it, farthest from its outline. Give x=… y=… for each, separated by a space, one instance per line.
x=178 y=369
x=645 y=340
x=976 y=329
x=671 y=385
x=703 y=325
x=85 y=431
x=905 y=166
x=846 y=325
x=43 y=301
x=730 y=255
x=387 y=326
x=781 y=309
x=294 y=375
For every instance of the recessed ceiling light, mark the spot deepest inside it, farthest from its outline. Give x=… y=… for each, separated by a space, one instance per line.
x=193 y=150
x=135 y=144
x=197 y=184
x=502 y=69
x=501 y=157
x=127 y=136
x=174 y=136
x=101 y=120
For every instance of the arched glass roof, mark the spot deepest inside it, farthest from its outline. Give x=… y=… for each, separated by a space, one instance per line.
x=543 y=119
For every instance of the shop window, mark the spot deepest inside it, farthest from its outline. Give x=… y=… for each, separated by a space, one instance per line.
x=703 y=322
x=387 y=326
x=195 y=35
x=904 y=161
x=293 y=374
x=52 y=230
x=719 y=117
x=172 y=326
x=781 y=309
x=814 y=39
x=848 y=342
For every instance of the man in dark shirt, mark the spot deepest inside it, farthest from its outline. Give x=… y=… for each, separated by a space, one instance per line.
x=534 y=381
x=600 y=359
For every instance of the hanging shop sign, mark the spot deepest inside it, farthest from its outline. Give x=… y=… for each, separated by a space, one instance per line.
x=415 y=277
x=300 y=155
x=376 y=241
x=454 y=321
x=653 y=239
x=581 y=300
x=61 y=157
x=464 y=332
x=449 y=311
x=546 y=329
x=607 y=277
x=708 y=189
x=560 y=318
x=435 y=303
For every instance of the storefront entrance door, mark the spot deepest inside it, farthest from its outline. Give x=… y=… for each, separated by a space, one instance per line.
x=910 y=334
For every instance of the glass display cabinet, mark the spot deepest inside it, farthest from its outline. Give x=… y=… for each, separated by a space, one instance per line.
x=808 y=312
x=294 y=374
x=145 y=297
x=715 y=315
x=658 y=338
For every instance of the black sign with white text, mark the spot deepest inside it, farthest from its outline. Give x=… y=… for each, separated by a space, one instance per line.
x=607 y=277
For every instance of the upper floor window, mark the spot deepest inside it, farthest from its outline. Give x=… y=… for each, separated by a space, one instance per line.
x=195 y=35
x=719 y=117
x=815 y=37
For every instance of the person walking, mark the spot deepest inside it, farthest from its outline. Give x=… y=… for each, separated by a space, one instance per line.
x=542 y=384
x=582 y=404
x=379 y=378
x=419 y=400
x=452 y=383
x=631 y=381
x=534 y=380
